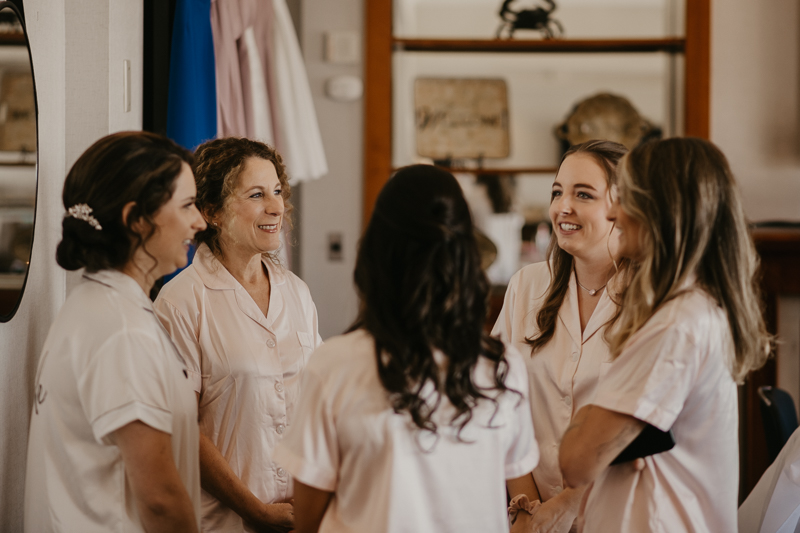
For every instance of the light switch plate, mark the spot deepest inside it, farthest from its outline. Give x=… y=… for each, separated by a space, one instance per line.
x=343 y=47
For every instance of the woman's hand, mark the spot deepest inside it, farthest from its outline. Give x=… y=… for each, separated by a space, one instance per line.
x=557 y=515
x=522 y=524
x=277 y=518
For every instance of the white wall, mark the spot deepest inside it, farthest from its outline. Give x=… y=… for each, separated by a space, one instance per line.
x=333 y=203
x=75 y=46
x=755 y=101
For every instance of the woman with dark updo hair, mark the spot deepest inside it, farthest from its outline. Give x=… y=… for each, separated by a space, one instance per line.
x=413 y=420
x=113 y=442
x=246 y=327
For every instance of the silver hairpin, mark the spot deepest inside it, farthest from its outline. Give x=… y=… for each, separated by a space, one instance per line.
x=84 y=212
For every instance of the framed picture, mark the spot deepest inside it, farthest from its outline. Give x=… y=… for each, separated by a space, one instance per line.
x=461 y=118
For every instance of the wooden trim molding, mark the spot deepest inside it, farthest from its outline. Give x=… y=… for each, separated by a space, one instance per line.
x=698 y=68
x=583 y=46
x=377 y=101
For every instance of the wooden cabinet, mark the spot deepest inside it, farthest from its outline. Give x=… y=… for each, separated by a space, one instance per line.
x=779 y=250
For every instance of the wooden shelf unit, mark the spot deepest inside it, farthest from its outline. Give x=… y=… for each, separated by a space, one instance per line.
x=583 y=46
x=380 y=44
x=497 y=171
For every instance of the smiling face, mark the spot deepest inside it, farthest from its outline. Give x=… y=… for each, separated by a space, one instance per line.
x=579 y=206
x=250 y=223
x=176 y=223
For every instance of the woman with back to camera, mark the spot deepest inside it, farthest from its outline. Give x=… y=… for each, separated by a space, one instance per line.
x=690 y=328
x=556 y=312
x=247 y=327
x=113 y=440
x=414 y=419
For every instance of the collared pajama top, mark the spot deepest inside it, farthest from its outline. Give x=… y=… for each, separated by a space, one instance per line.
x=563 y=374
x=106 y=362
x=674 y=373
x=386 y=475
x=245 y=366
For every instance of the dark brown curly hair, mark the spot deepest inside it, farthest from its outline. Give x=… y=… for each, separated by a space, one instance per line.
x=219 y=163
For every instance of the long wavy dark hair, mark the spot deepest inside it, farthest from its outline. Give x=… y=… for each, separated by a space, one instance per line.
x=607 y=154
x=419 y=278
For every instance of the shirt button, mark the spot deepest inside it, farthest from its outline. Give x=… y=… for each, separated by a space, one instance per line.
x=575 y=356
x=279 y=428
x=279 y=387
x=271 y=343
x=567 y=400
x=281 y=472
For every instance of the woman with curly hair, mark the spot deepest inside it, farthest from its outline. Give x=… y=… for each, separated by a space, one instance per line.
x=556 y=313
x=414 y=419
x=247 y=327
x=690 y=328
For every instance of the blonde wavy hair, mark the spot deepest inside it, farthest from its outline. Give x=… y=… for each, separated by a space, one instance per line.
x=683 y=195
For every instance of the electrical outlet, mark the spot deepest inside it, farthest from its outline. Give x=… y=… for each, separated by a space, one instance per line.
x=335 y=249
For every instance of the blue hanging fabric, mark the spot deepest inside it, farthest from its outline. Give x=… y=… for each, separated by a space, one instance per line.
x=192 y=101
x=192 y=104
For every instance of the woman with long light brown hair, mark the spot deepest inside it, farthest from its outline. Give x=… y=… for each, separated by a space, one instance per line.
x=690 y=328
x=556 y=312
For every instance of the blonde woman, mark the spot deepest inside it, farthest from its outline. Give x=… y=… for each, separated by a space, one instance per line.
x=555 y=312
x=690 y=328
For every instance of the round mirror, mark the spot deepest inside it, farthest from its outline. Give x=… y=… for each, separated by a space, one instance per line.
x=18 y=168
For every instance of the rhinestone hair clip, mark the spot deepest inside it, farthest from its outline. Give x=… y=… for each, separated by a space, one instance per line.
x=84 y=212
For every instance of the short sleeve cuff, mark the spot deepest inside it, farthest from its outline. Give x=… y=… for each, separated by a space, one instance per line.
x=524 y=465
x=643 y=409
x=305 y=472
x=113 y=420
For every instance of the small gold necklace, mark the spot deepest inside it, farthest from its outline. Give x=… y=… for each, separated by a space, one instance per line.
x=591 y=292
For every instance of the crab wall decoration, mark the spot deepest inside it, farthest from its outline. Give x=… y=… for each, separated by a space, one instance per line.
x=529 y=19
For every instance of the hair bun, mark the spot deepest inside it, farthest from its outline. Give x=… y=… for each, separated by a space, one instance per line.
x=80 y=242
